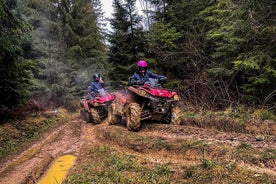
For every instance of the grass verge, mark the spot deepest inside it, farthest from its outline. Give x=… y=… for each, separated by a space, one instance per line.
x=107 y=164
x=13 y=135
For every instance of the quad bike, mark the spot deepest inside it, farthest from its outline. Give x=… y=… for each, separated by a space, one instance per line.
x=97 y=108
x=148 y=101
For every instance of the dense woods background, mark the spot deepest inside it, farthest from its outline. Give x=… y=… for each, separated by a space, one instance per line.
x=215 y=52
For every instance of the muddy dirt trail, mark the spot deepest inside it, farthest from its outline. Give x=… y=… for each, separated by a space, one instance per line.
x=71 y=137
x=29 y=165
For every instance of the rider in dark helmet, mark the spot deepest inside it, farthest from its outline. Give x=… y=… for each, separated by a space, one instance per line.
x=97 y=86
x=143 y=74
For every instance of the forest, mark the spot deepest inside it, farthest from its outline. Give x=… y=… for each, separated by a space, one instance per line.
x=220 y=60
x=217 y=53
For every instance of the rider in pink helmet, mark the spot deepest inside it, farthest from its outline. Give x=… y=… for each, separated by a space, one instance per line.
x=142 y=63
x=142 y=66
x=143 y=74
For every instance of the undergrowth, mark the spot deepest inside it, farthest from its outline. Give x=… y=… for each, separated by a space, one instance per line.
x=106 y=164
x=14 y=134
x=241 y=119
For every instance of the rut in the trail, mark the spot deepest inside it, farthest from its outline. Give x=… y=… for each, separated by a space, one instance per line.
x=75 y=136
x=192 y=145
x=30 y=165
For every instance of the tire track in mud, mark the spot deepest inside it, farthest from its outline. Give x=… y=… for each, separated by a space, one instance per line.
x=31 y=164
x=215 y=136
x=74 y=136
x=209 y=135
x=172 y=133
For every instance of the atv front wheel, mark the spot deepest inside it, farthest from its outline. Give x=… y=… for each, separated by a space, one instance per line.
x=95 y=116
x=175 y=115
x=133 y=119
x=86 y=116
x=112 y=118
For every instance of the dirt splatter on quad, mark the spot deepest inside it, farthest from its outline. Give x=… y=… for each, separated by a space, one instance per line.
x=94 y=110
x=146 y=102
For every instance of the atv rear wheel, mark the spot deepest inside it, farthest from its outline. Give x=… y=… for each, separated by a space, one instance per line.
x=133 y=116
x=86 y=116
x=175 y=115
x=112 y=118
x=95 y=116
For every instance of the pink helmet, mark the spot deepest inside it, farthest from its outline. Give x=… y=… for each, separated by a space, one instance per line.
x=142 y=64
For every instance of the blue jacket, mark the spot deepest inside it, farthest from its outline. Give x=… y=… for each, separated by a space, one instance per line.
x=95 y=86
x=137 y=78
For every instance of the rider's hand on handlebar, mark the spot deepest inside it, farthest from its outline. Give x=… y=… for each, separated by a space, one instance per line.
x=140 y=82
x=163 y=79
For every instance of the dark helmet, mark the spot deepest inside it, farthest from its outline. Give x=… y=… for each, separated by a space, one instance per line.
x=142 y=66
x=96 y=77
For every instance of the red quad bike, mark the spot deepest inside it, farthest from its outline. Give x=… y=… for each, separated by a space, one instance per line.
x=94 y=110
x=149 y=101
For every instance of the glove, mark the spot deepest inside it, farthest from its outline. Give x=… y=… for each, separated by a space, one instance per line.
x=163 y=79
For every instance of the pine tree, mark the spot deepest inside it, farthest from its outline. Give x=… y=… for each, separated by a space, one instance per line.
x=86 y=52
x=101 y=20
x=15 y=70
x=47 y=51
x=127 y=40
x=244 y=52
x=177 y=39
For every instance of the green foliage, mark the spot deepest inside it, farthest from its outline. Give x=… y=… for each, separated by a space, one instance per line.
x=226 y=45
x=176 y=39
x=208 y=164
x=14 y=135
x=15 y=70
x=263 y=114
x=17 y=83
x=165 y=36
x=85 y=52
x=242 y=42
x=127 y=42
x=67 y=48
x=269 y=154
x=110 y=166
x=225 y=48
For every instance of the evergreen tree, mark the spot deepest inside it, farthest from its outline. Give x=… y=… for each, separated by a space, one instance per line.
x=244 y=52
x=86 y=51
x=101 y=20
x=15 y=70
x=178 y=44
x=47 y=51
x=127 y=40
x=68 y=47
x=232 y=40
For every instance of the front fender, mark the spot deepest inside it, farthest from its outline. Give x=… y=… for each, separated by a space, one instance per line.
x=84 y=104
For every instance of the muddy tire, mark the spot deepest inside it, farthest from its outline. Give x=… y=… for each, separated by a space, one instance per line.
x=86 y=116
x=133 y=116
x=175 y=115
x=112 y=118
x=95 y=116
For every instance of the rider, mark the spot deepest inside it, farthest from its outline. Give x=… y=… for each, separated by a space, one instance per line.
x=97 y=86
x=143 y=75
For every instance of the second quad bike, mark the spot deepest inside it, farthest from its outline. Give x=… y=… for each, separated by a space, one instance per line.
x=96 y=109
x=148 y=101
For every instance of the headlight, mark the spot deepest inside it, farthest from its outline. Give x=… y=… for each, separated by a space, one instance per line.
x=176 y=98
x=142 y=92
